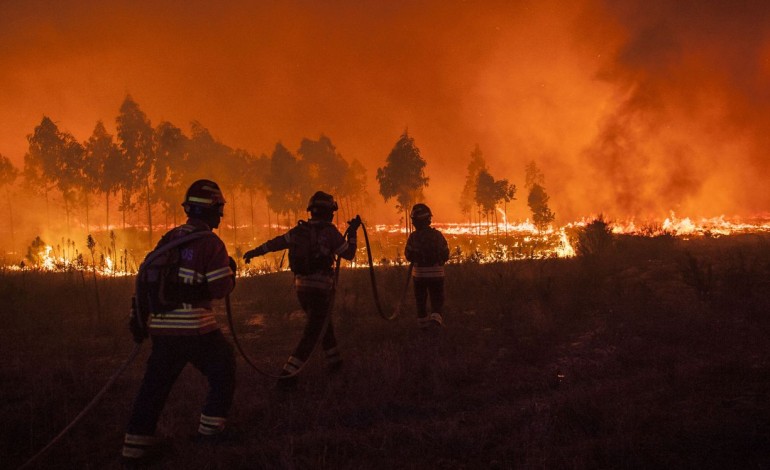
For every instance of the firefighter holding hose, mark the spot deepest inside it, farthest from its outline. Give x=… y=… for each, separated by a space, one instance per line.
x=312 y=246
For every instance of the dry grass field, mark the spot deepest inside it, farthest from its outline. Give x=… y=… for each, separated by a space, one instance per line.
x=652 y=354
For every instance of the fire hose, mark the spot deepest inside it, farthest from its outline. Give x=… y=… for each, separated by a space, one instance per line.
x=246 y=357
x=375 y=293
x=94 y=401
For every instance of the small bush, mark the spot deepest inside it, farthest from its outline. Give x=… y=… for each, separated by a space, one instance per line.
x=595 y=239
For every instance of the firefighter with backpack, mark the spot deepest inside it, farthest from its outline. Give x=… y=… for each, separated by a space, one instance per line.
x=428 y=251
x=312 y=246
x=173 y=307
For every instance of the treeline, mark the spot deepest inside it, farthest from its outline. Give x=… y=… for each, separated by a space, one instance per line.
x=147 y=168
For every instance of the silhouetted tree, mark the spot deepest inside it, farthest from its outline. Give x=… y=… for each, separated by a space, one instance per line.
x=206 y=155
x=209 y=158
x=256 y=174
x=533 y=175
x=325 y=166
x=403 y=175
x=135 y=135
x=468 y=195
x=538 y=204
x=486 y=193
x=353 y=190
x=490 y=192
x=507 y=192
x=40 y=160
x=103 y=167
x=54 y=160
x=70 y=179
x=8 y=175
x=233 y=183
x=286 y=181
x=171 y=147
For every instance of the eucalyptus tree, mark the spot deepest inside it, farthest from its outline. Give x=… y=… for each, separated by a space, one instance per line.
x=40 y=160
x=538 y=204
x=54 y=160
x=287 y=183
x=533 y=175
x=507 y=193
x=324 y=166
x=468 y=194
x=231 y=178
x=486 y=194
x=256 y=174
x=353 y=190
x=135 y=137
x=8 y=175
x=403 y=176
x=171 y=147
x=104 y=166
x=70 y=176
x=207 y=157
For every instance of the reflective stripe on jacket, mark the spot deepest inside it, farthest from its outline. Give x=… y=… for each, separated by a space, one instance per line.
x=203 y=262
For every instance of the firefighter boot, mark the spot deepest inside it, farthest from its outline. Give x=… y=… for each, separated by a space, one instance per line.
x=139 y=450
x=437 y=319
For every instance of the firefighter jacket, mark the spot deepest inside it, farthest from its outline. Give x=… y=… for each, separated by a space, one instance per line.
x=428 y=250
x=325 y=242
x=204 y=265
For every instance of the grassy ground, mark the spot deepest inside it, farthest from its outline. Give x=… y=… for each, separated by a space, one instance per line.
x=654 y=355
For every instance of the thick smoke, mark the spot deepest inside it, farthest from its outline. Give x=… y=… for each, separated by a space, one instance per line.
x=631 y=108
x=690 y=130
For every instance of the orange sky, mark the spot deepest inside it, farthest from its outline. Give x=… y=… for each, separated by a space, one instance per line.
x=630 y=108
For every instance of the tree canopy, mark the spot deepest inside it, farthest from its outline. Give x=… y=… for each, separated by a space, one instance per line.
x=403 y=176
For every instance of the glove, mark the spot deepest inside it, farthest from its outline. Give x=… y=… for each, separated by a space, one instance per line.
x=137 y=329
x=354 y=223
x=253 y=254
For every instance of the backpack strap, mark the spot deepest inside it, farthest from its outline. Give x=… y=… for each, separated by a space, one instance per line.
x=174 y=243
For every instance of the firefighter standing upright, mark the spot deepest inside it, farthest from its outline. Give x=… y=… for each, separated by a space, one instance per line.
x=427 y=250
x=312 y=247
x=188 y=332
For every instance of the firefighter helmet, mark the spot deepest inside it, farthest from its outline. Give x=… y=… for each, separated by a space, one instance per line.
x=204 y=196
x=420 y=211
x=322 y=202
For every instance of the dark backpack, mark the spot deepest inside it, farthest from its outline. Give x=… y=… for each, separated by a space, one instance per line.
x=305 y=256
x=158 y=284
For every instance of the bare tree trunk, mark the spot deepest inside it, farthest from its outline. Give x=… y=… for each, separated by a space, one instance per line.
x=505 y=214
x=149 y=213
x=47 y=211
x=88 y=222
x=67 y=215
x=235 y=223
x=269 y=224
x=251 y=209
x=10 y=209
x=107 y=205
x=125 y=207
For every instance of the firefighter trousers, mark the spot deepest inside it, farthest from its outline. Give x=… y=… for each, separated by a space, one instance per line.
x=210 y=353
x=425 y=287
x=317 y=306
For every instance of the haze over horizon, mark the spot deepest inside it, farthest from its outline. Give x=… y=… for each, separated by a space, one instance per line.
x=630 y=108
